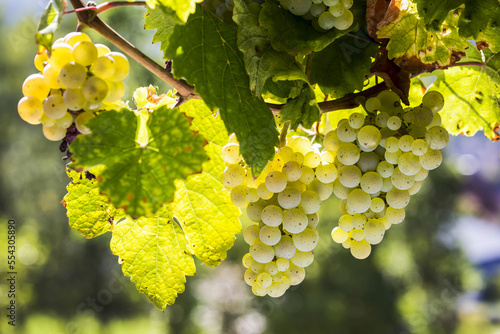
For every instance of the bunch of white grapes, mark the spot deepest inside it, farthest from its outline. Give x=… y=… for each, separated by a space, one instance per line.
x=283 y=201
x=74 y=81
x=382 y=160
x=325 y=14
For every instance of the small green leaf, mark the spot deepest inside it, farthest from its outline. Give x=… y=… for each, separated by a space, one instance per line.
x=348 y=62
x=153 y=252
x=302 y=109
x=181 y=8
x=204 y=52
x=157 y=19
x=139 y=176
x=202 y=205
x=410 y=42
x=472 y=94
x=293 y=34
x=49 y=23
x=89 y=212
x=481 y=19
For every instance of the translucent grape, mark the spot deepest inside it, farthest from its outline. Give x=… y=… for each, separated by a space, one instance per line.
x=285 y=248
x=282 y=264
x=377 y=204
x=350 y=176
x=385 y=169
x=61 y=54
x=421 y=175
x=74 y=37
x=348 y=153
x=247 y=260
x=310 y=202
x=373 y=104
x=436 y=121
x=409 y=163
x=276 y=181
x=296 y=274
x=404 y=143
x=254 y=211
x=332 y=141
x=231 y=153
x=358 y=201
x=419 y=147
x=65 y=121
x=269 y=235
x=95 y=89
x=115 y=91
x=233 y=176
x=391 y=144
x=437 y=137
x=340 y=190
x=423 y=116
x=326 y=20
x=374 y=231
x=330 y=2
x=36 y=86
x=381 y=119
x=299 y=7
x=345 y=223
x=394 y=123
x=312 y=159
x=368 y=161
x=387 y=184
x=300 y=144
x=47 y=121
x=251 y=234
x=262 y=253
x=295 y=220
x=54 y=133
x=336 y=10
x=312 y=220
x=250 y=277
x=369 y=137
x=347 y=3
x=307 y=176
x=81 y=120
x=324 y=190
x=371 y=182
x=433 y=100
x=317 y=9
x=339 y=235
x=264 y=279
x=302 y=259
x=400 y=180
x=121 y=66
x=252 y=195
x=271 y=268
x=392 y=157
x=30 y=109
x=356 y=120
x=344 y=21
x=103 y=67
x=50 y=75
x=74 y=99
x=292 y=170
x=345 y=132
x=360 y=249
x=263 y=192
x=395 y=216
x=327 y=156
x=357 y=234
x=415 y=188
x=289 y=198
x=54 y=106
x=306 y=240
x=73 y=75
x=326 y=173
x=239 y=196
x=40 y=59
x=398 y=199
x=85 y=53
x=431 y=159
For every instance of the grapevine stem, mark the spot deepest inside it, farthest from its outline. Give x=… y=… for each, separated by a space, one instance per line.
x=469 y=63
x=108 y=5
x=90 y=18
x=363 y=38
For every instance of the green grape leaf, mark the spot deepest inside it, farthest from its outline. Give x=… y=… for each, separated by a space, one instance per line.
x=181 y=8
x=164 y=25
x=481 y=19
x=415 y=49
x=153 y=252
x=49 y=23
x=89 y=212
x=472 y=94
x=261 y=60
x=348 y=62
x=435 y=12
x=142 y=160
x=293 y=34
x=204 y=52
x=301 y=110
x=201 y=205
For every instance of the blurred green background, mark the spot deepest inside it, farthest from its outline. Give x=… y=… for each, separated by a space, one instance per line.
x=438 y=272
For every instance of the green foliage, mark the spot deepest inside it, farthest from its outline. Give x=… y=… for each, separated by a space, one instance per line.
x=49 y=22
x=472 y=94
x=204 y=52
x=180 y=8
x=153 y=252
x=435 y=12
x=89 y=212
x=164 y=25
x=142 y=161
x=480 y=19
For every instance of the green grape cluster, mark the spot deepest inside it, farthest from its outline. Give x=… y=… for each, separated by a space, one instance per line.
x=283 y=201
x=382 y=160
x=74 y=81
x=325 y=14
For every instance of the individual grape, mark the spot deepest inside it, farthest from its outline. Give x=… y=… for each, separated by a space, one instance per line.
x=392 y=157
x=254 y=211
x=306 y=240
x=404 y=143
x=401 y=181
x=81 y=120
x=258 y=290
x=296 y=274
x=282 y=264
x=394 y=123
x=356 y=120
x=298 y=185
x=295 y=220
x=299 y=7
x=74 y=99
x=271 y=268
x=54 y=133
x=312 y=159
x=350 y=176
x=348 y=153
x=61 y=54
x=250 y=277
x=345 y=223
x=332 y=141
x=30 y=109
x=65 y=121
x=233 y=176
x=357 y=234
x=415 y=188
x=337 y=10
x=324 y=190
x=263 y=192
x=422 y=116
x=239 y=196
x=369 y=137
x=377 y=204
x=358 y=201
x=431 y=159
x=269 y=235
x=398 y=199
x=47 y=121
x=50 y=75
x=103 y=67
x=381 y=119
x=419 y=147
x=261 y=252
x=276 y=181
x=421 y=175
x=409 y=163
x=433 y=100
x=339 y=235
x=285 y=248
x=54 y=106
x=330 y=2
x=385 y=169
x=317 y=9
x=347 y=244
x=307 y=176
x=345 y=132
x=395 y=216
x=85 y=52
x=74 y=37
x=289 y=198
x=251 y=234
x=302 y=259
x=326 y=20
x=327 y=156
x=387 y=184
x=102 y=50
x=40 y=60
x=409 y=116
x=373 y=104
x=437 y=137
x=374 y=231
x=121 y=66
x=340 y=190
x=344 y=21
x=388 y=99
x=371 y=182
x=347 y=3
x=292 y=171
x=252 y=195
x=360 y=249
x=95 y=89
x=35 y=86
x=231 y=153
x=72 y=75
x=392 y=144
x=247 y=260
x=436 y=121
x=310 y=202
x=326 y=173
